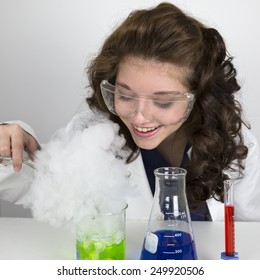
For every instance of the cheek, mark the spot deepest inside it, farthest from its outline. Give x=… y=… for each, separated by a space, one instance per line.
x=126 y=122
x=174 y=116
x=170 y=129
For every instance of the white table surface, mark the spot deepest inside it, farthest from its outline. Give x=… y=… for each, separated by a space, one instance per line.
x=27 y=239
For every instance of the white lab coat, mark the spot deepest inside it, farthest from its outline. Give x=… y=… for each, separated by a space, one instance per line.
x=13 y=186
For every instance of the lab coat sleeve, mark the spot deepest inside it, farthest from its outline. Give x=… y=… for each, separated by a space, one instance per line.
x=25 y=127
x=247 y=188
x=13 y=185
x=141 y=198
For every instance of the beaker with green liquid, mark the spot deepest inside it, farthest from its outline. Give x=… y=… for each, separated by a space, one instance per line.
x=102 y=236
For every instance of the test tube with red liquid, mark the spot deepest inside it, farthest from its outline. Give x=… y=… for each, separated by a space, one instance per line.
x=229 y=219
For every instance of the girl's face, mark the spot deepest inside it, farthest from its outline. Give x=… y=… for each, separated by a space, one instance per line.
x=150 y=122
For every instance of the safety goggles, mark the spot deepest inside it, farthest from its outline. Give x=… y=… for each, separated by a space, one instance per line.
x=123 y=102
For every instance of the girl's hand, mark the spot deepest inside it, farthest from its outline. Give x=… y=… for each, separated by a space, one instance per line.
x=13 y=141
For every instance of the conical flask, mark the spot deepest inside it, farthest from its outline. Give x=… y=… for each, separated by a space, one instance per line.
x=169 y=234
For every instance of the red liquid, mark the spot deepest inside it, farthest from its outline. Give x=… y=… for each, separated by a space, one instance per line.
x=229 y=230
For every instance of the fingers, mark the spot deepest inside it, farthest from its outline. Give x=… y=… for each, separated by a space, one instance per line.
x=13 y=140
x=31 y=146
x=5 y=147
x=17 y=146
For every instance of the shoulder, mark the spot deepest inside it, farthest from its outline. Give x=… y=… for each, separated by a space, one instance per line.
x=85 y=118
x=248 y=136
x=252 y=144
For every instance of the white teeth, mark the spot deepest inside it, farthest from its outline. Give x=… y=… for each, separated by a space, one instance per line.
x=144 y=129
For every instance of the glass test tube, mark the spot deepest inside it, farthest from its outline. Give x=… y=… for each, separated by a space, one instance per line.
x=229 y=218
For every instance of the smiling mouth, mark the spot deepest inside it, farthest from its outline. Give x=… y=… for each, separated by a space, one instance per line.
x=145 y=129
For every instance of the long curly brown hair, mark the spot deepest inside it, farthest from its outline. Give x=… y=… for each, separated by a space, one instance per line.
x=166 y=34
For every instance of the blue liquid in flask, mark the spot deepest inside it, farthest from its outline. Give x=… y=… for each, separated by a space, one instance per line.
x=169 y=245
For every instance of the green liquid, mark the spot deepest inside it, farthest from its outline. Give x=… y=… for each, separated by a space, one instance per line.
x=100 y=250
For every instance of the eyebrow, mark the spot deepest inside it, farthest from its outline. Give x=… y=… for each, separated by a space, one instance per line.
x=154 y=93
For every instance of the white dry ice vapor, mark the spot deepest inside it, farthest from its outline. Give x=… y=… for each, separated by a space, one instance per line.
x=78 y=175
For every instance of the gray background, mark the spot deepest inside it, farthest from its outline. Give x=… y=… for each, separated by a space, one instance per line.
x=46 y=45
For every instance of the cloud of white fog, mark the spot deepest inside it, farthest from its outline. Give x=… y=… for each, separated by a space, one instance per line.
x=79 y=175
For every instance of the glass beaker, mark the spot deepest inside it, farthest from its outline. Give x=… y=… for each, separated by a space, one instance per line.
x=102 y=236
x=169 y=234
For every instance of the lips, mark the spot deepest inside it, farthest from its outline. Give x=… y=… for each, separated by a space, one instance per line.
x=144 y=129
x=145 y=132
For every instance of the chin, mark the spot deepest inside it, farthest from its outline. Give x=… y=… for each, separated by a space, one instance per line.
x=146 y=146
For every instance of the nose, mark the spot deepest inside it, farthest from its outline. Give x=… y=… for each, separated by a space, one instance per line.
x=140 y=115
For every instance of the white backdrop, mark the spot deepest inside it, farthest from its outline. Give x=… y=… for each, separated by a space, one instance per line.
x=46 y=44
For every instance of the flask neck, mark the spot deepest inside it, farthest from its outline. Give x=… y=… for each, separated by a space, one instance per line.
x=171 y=197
